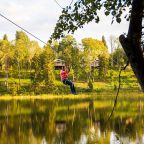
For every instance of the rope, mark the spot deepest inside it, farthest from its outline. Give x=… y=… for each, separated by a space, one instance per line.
x=22 y=29
x=58 y=4
x=71 y=3
x=115 y=101
x=27 y=30
x=61 y=6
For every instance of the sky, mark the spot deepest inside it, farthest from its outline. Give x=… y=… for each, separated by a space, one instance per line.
x=40 y=16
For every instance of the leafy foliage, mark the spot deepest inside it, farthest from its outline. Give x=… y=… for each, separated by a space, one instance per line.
x=69 y=52
x=94 y=50
x=119 y=58
x=85 y=11
x=25 y=68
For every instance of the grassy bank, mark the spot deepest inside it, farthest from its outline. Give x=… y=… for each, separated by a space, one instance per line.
x=109 y=84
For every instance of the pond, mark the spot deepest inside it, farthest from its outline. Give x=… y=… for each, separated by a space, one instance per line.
x=71 y=121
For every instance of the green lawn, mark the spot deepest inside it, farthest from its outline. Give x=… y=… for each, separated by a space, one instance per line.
x=109 y=84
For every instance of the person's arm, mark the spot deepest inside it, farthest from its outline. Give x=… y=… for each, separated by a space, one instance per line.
x=67 y=69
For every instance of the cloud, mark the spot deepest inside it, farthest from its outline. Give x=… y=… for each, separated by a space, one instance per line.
x=40 y=17
x=35 y=16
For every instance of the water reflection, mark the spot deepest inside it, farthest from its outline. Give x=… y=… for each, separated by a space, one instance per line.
x=63 y=122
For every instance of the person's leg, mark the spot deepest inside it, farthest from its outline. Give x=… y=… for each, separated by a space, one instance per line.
x=70 y=83
x=73 y=88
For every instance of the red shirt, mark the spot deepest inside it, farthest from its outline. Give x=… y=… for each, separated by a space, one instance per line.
x=64 y=75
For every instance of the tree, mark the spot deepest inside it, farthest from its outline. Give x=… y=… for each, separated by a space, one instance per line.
x=21 y=51
x=48 y=65
x=5 y=37
x=33 y=50
x=104 y=41
x=67 y=44
x=37 y=67
x=84 y=11
x=114 y=44
x=6 y=55
x=103 y=65
x=69 y=52
x=93 y=50
x=43 y=65
x=119 y=58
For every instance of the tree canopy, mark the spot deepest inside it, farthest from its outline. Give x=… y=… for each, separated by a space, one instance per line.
x=85 y=11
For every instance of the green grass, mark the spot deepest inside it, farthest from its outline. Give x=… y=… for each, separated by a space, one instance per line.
x=15 y=80
x=109 y=84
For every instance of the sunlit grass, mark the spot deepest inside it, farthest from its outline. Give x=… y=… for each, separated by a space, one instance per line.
x=103 y=95
x=15 y=80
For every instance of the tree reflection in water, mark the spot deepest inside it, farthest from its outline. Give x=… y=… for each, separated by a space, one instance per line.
x=65 y=122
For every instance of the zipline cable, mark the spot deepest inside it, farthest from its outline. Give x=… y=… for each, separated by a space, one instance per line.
x=71 y=3
x=27 y=30
x=23 y=29
x=60 y=5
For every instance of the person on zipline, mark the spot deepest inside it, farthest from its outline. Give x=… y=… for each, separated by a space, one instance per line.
x=64 y=78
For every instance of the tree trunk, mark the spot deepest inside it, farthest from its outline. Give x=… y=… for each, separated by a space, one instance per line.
x=132 y=43
x=6 y=71
x=19 y=75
